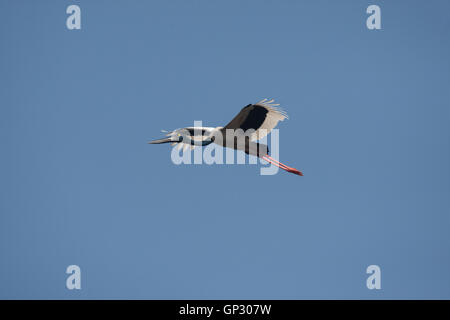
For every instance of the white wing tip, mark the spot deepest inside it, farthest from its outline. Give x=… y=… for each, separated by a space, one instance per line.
x=273 y=107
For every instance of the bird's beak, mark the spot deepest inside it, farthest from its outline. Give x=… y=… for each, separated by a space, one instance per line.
x=164 y=140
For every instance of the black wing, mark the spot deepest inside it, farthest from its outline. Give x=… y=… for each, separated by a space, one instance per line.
x=261 y=117
x=251 y=116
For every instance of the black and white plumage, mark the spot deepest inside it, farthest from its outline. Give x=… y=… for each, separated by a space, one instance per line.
x=251 y=124
x=262 y=117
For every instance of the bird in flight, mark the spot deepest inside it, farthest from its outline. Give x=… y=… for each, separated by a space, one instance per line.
x=251 y=124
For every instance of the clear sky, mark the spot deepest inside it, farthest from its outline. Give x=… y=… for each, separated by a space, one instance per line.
x=369 y=127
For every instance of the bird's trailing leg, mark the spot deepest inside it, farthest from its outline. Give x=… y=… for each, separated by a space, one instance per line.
x=281 y=165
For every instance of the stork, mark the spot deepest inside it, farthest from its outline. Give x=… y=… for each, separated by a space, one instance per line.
x=251 y=124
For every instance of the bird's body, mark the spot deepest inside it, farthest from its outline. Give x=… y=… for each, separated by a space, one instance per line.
x=252 y=123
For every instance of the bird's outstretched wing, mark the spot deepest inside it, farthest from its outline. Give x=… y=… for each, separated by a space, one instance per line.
x=262 y=117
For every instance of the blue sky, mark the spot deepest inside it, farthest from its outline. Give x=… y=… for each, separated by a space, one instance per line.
x=369 y=127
